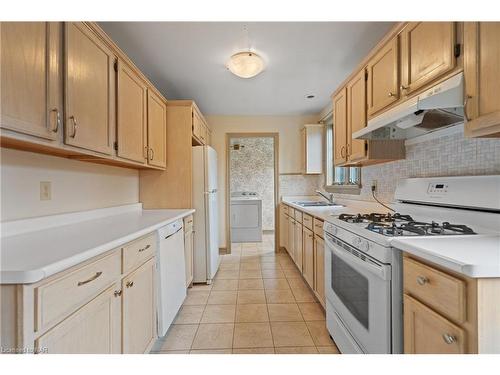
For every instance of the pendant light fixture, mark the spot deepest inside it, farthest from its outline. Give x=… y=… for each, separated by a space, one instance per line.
x=245 y=64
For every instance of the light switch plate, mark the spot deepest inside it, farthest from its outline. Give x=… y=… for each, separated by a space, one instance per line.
x=45 y=191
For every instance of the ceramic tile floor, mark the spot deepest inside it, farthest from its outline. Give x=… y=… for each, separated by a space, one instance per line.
x=258 y=303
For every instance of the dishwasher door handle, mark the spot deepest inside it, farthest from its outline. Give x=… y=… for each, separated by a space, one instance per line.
x=170 y=235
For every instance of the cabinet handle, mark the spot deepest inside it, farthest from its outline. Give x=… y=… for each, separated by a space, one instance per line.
x=144 y=248
x=342 y=152
x=152 y=154
x=75 y=126
x=449 y=339
x=391 y=94
x=146 y=153
x=403 y=88
x=58 y=119
x=422 y=280
x=129 y=284
x=97 y=274
x=118 y=293
x=348 y=150
x=466 y=100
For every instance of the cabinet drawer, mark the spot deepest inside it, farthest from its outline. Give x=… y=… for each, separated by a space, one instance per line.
x=307 y=220
x=318 y=227
x=298 y=216
x=442 y=292
x=60 y=297
x=188 y=223
x=291 y=212
x=427 y=332
x=137 y=252
x=284 y=209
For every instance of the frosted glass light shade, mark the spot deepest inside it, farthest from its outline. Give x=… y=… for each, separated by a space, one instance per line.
x=245 y=64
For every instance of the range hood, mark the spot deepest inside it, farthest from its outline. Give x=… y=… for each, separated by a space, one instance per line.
x=436 y=108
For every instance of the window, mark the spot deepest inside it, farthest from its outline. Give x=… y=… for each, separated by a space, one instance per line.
x=339 y=179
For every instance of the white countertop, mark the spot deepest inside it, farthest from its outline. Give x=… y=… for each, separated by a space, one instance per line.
x=474 y=256
x=59 y=242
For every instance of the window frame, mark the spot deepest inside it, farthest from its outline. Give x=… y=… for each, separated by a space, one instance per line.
x=329 y=182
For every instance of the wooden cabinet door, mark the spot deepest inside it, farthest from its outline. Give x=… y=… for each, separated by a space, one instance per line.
x=340 y=127
x=93 y=329
x=188 y=255
x=291 y=237
x=139 y=314
x=283 y=229
x=197 y=124
x=298 y=245
x=383 y=78
x=319 y=268
x=308 y=260
x=31 y=86
x=482 y=77
x=157 y=130
x=428 y=51
x=131 y=115
x=89 y=90
x=427 y=332
x=356 y=116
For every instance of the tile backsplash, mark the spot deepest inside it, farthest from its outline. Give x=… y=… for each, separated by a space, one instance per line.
x=298 y=184
x=451 y=155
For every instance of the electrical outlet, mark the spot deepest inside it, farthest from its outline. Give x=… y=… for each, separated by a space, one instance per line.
x=374 y=185
x=45 y=191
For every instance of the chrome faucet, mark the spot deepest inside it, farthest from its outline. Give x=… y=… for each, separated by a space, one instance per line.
x=327 y=196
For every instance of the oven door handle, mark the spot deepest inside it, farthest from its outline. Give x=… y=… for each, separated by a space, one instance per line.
x=379 y=270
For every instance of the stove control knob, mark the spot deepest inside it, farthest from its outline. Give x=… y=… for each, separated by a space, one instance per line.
x=356 y=241
x=332 y=229
x=364 y=246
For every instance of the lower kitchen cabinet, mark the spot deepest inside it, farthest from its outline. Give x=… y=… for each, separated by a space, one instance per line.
x=427 y=332
x=104 y=305
x=298 y=245
x=308 y=256
x=95 y=328
x=291 y=237
x=319 y=269
x=189 y=248
x=446 y=312
x=283 y=230
x=139 y=309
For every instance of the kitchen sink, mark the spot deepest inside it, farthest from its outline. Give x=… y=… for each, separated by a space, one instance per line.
x=317 y=204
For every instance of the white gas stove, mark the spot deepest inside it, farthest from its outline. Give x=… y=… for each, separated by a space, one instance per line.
x=363 y=271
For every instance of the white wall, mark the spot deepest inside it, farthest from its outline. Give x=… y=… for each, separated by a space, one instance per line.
x=290 y=140
x=76 y=185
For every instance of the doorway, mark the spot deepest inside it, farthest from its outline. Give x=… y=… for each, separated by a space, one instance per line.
x=252 y=191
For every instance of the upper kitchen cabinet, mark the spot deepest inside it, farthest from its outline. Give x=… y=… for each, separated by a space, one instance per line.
x=428 y=52
x=185 y=127
x=89 y=89
x=131 y=120
x=312 y=149
x=356 y=116
x=157 y=130
x=383 y=78
x=31 y=89
x=482 y=78
x=340 y=127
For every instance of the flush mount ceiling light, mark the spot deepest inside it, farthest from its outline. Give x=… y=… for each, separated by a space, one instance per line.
x=245 y=64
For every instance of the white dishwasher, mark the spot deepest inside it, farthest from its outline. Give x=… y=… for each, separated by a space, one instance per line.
x=171 y=274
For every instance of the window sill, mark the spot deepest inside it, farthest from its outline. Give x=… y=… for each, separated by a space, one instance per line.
x=344 y=189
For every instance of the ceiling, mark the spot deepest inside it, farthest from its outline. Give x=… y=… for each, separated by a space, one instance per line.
x=186 y=60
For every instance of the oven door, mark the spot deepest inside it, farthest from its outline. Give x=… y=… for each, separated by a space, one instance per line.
x=359 y=289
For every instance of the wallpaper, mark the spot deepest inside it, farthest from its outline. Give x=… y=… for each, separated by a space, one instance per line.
x=252 y=169
x=452 y=155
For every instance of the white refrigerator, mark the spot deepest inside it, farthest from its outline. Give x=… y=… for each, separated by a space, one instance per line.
x=206 y=244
